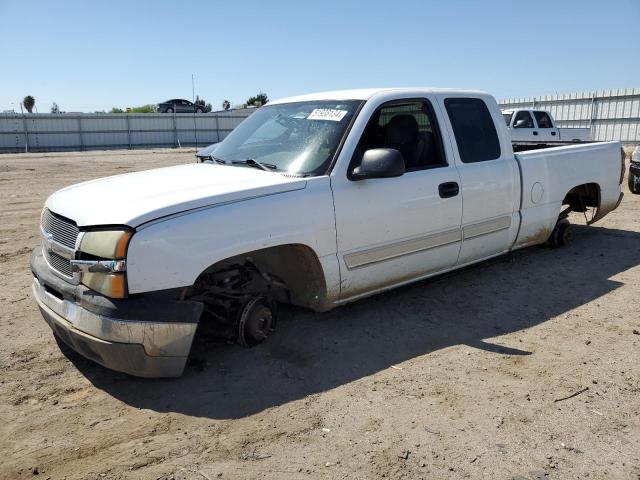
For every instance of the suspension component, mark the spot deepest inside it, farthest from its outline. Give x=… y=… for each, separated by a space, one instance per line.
x=257 y=320
x=240 y=301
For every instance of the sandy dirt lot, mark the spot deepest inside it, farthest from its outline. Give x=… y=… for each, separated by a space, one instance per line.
x=456 y=377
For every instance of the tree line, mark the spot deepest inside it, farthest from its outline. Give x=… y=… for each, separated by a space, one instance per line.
x=257 y=100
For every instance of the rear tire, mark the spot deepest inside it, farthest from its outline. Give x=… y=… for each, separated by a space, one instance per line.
x=562 y=234
x=634 y=186
x=198 y=110
x=169 y=110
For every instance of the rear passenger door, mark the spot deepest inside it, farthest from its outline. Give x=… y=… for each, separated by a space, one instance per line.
x=523 y=128
x=490 y=182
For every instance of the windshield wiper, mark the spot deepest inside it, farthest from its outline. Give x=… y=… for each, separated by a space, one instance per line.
x=254 y=163
x=211 y=158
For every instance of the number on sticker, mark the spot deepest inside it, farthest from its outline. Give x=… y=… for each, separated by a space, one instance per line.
x=330 y=114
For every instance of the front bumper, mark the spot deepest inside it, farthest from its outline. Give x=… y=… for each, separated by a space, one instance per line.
x=145 y=337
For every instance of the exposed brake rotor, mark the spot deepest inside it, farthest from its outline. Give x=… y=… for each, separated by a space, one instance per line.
x=240 y=301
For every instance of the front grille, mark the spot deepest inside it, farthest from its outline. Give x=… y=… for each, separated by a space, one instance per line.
x=61 y=264
x=63 y=230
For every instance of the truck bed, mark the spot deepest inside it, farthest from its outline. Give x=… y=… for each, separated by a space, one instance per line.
x=526 y=146
x=549 y=174
x=574 y=134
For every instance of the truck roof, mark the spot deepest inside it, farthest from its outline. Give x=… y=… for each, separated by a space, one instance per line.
x=367 y=93
x=512 y=110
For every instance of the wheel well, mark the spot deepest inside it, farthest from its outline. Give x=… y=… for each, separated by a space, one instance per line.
x=582 y=197
x=295 y=264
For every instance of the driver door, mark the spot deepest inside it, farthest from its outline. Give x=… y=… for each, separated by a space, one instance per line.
x=523 y=129
x=393 y=230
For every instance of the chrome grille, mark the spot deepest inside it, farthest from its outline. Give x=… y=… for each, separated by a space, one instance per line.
x=63 y=230
x=63 y=265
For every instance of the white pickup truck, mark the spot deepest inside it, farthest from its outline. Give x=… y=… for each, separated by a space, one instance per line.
x=532 y=129
x=317 y=201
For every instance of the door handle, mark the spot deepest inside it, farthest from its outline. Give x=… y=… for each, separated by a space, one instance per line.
x=535 y=133
x=448 y=189
x=553 y=133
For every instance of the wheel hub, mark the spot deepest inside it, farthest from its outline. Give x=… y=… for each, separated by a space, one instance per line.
x=257 y=321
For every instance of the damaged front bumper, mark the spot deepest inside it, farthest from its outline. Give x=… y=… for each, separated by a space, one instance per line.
x=147 y=335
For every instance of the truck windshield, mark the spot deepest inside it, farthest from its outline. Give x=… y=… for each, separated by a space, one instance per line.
x=507 y=117
x=299 y=137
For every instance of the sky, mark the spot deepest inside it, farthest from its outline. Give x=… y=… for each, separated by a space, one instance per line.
x=89 y=55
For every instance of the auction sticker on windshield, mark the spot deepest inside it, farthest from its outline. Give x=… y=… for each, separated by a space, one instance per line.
x=327 y=114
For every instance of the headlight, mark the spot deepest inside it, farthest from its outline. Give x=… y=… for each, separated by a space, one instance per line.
x=102 y=261
x=110 y=244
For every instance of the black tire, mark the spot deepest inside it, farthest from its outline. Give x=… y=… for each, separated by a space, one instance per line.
x=257 y=321
x=198 y=110
x=634 y=187
x=169 y=110
x=562 y=234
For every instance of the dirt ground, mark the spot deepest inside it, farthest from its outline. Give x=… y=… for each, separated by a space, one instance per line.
x=462 y=376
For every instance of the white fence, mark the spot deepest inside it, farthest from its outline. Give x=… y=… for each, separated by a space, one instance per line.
x=95 y=131
x=611 y=114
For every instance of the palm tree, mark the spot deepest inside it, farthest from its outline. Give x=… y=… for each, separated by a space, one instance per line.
x=29 y=103
x=226 y=105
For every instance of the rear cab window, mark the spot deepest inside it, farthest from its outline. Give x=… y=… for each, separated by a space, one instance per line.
x=473 y=129
x=543 y=119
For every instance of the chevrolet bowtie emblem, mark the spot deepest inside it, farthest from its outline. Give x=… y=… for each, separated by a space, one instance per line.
x=54 y=247
x=47 y=240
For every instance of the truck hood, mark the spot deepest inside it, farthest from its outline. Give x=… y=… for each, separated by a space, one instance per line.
x=136 y=198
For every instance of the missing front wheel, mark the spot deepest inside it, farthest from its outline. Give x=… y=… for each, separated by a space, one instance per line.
x=240 y=302
x=257 y=320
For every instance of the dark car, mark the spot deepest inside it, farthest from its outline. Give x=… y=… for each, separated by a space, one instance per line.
x=179 y=105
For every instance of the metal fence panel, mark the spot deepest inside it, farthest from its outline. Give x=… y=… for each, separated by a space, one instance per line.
x=611 y=114
x=66 y=132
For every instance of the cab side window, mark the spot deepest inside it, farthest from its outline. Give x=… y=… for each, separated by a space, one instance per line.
x=543 y=120
x=523 y=120
x=473 y=128
x=408 y=127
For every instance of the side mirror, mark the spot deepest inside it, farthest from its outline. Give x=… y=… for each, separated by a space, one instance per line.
x=379 y=163
x=522 y=123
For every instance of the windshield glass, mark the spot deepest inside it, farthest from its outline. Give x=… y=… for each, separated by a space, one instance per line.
x=297 y=137
x=507 y=117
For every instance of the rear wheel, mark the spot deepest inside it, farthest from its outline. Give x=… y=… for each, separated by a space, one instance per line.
x=562 y=234
x=634 y=184
x=169 y=110
x=198 y=110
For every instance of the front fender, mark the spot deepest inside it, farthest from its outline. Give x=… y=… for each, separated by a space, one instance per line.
x=172 y=252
